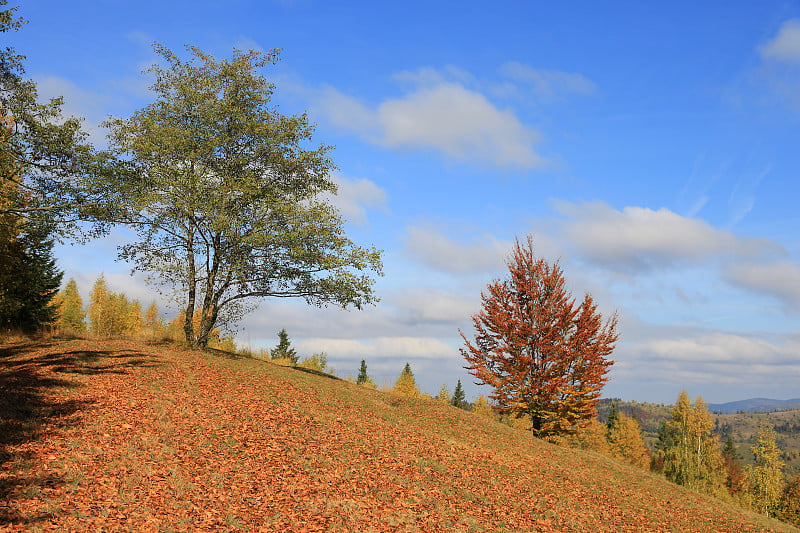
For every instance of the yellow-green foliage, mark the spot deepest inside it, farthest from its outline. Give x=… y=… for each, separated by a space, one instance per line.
x=764 y=478
x=481 y=407
x=369 y=383
x=132 y=317
x=521 y=422
x=246 y=351
x=741 y=427
x=175 y=329
x=226 y=344
x=444 y=395
x=318 y=361
x=153 y=325
x=592 y=437
x=692 y=456
x=71 y=311
x=406 y=384
x=113 y=314
x=625 y=442
x=100 y=308
x=744 y=427
x=622 y=440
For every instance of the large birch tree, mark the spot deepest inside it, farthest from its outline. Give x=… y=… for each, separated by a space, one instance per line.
x=228 y=196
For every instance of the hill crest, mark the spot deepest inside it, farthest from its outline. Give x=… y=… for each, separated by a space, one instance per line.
x=755 y=405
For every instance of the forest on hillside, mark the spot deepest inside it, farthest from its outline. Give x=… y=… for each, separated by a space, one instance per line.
x=742 y=428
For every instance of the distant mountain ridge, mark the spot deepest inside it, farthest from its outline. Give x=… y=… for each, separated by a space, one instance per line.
x=755 y=405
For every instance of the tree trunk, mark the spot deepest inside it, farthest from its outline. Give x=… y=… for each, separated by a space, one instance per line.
x=188 y=325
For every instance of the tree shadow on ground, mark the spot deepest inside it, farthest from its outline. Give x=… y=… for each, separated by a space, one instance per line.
x=33 y=377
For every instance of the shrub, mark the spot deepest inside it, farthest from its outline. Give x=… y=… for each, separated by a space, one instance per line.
x=318 y=361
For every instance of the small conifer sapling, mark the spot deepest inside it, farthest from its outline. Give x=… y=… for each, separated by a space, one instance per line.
x=284 y=349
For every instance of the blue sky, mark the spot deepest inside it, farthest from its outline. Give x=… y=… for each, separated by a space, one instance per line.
x=652 y=149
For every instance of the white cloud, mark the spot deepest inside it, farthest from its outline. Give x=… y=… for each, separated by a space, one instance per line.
x=461 y=123
x=781 y=59
x=380 y=348
x=78 y=103
x=780 y=279
x=347 y=112
x=785 y=46
x=355 y=196
x=548 y=85
x=639 y=238
x=429 y=76
x=420 y=306
x=720 y=366
x=445 y=116
x=441 y=253
x=141 y=39
x=721 y=348
x=395 y=316
x=246 y=43
x=743 y=198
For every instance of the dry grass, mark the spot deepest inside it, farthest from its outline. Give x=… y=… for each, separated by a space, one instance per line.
x=123 y=436
x=13 y=337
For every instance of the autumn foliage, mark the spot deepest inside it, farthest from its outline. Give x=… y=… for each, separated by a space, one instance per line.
x=545 y=355
x=113 y=435
x=691 y=453
x=406 y=384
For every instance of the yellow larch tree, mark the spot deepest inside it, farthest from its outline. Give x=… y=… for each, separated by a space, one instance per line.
x=406 y=384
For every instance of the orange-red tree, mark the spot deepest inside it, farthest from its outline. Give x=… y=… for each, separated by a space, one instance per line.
x=545 y=355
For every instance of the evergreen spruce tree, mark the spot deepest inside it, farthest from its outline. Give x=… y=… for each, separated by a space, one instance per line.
x=362 y=373
x=613 y=418
x=29 y=278
x=459 y=400
x=284 y=350
x=42 y=162
x=72 y=313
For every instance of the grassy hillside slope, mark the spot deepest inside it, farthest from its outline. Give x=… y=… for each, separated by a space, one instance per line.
x=121 y=436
